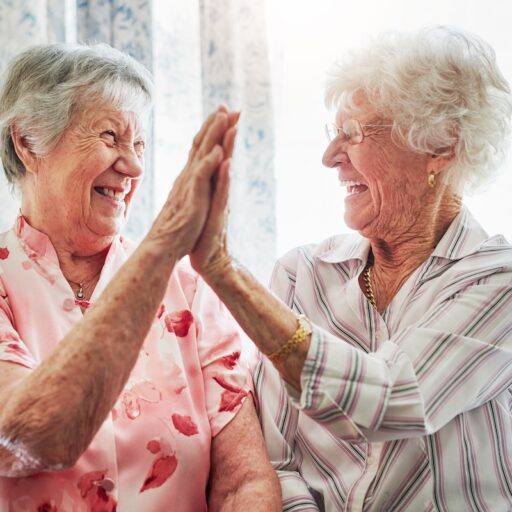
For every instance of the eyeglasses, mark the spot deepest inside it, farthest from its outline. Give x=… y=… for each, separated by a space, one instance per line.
x=351 y=129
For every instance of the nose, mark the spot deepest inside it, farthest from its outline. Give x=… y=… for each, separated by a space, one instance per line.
x=335 y=153
x=129 y=163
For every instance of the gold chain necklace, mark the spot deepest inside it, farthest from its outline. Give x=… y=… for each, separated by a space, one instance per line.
x=80 y=294
x=367 y=278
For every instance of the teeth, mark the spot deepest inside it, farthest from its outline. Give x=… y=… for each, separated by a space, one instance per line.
x=351 y=186
x=349 y=183
x=118 y=196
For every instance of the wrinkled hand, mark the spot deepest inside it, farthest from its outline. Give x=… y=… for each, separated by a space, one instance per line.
x=182 y=218
x=210 y=255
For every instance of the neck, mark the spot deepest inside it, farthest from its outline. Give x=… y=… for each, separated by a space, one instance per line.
x=81 y=269
x=81 y=254
x=414 y=243
x=395 y=258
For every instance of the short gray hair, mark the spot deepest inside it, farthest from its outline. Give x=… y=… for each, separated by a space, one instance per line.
x=46 y=85
x=442 y=88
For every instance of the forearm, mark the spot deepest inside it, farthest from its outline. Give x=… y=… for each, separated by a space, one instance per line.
x=262 y=492
x=52 y=414
x=241 y=476
x=265 y=318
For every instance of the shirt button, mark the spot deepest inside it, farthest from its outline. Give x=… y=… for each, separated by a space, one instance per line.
x=107 y=484
x=370 y=460
x=68 y=304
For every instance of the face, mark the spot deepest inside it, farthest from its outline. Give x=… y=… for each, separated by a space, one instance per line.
x=91 y=176
x=386 y=185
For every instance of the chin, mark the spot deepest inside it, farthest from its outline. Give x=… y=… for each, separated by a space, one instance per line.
x=360 y=221
x=109 y=228
x=353 y=222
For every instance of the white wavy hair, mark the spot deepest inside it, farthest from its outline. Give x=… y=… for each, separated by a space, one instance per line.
x=46 y=86
x=442 y=89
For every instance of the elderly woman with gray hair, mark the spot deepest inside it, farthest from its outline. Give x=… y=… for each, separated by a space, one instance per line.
x=395 y=343
x=120 y=377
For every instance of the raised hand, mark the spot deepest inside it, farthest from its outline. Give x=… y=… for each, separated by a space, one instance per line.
x=182 y=218
x=210 y=253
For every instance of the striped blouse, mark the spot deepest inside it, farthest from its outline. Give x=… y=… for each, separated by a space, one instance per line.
x=408 y=410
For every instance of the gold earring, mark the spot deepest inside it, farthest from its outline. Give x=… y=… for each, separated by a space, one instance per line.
x=431 y=179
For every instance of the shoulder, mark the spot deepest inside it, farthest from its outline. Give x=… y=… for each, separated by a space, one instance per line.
x=300 y=267
x=493 y=256
x=334 y=249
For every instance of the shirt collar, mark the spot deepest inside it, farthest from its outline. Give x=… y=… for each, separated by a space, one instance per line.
x=342 y=248
x=465 y=236
x=37 y=244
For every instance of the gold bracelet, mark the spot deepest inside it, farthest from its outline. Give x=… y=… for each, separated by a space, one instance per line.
x=301 y=334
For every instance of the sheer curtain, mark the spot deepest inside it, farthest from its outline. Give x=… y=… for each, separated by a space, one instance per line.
x=23 y=23
x=202 y=53
x=209 y=52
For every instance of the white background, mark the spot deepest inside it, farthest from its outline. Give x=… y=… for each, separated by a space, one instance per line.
x=306 y=38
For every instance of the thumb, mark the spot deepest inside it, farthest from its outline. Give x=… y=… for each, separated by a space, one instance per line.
x=219 y=204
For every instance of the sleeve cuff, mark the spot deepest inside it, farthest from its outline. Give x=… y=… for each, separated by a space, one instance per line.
x=343 y=388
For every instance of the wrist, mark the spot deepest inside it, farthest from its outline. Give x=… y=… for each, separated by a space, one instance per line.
x=218 y=270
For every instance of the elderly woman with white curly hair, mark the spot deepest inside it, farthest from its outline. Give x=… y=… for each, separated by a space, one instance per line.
x=120 y=378
x=395 y=343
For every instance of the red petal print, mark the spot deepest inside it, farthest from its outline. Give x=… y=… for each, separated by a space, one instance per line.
x=15 y=349
x=162 y=470
x=4 y=253
x=230 y=361
x=86 y=481
x=103 y=502
x=161 y=311
x=153 y=446
x=47 y=507
x=92 y=488
x=145 y=391
x=68 y=304
x=184 y=424
x=131 y=405
x=8 y=336
x=83 y=303
x=179 y=322
x=221 y=381
x=230 y=400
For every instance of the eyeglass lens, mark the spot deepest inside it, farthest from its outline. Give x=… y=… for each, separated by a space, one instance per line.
x=350 y=130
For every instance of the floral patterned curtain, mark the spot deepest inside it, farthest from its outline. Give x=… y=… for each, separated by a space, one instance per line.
x=23 y=23
x=202 y=53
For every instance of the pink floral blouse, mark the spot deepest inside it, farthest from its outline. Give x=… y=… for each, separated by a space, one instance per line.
x=152 y=453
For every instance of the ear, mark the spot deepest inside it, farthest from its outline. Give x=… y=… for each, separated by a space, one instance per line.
x=23 y=150
x=438 y=163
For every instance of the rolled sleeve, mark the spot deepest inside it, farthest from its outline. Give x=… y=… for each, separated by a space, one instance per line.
x=343 y=388
x=420 y=379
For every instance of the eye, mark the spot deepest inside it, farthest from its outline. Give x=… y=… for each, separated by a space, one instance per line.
x=110 y=136
x=139 y=146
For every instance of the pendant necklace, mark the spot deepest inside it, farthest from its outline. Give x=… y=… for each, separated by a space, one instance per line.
x=80 y=292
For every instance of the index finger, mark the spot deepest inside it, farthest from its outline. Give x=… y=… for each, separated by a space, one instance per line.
x=214 y=134
x=198 y=137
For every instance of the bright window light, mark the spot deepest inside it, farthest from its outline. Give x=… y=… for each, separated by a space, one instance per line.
x=306 y=38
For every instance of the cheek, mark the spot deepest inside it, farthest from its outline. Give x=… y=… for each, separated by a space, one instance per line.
x=372 y=163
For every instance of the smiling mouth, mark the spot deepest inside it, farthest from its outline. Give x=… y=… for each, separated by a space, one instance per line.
x=354 y=187
x=113 y=194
